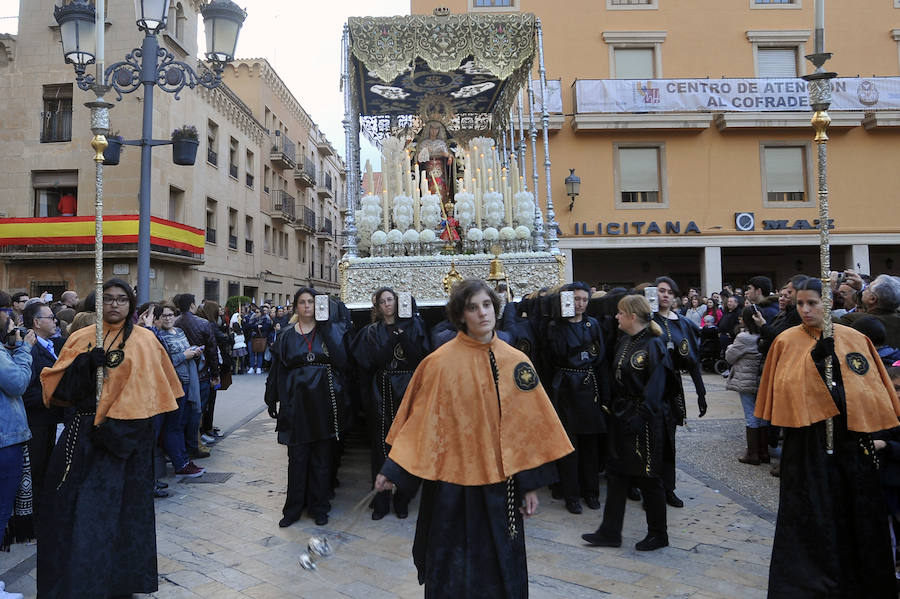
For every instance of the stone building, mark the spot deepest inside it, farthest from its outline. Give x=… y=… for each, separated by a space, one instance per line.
x=225 y=226
x=689 y=128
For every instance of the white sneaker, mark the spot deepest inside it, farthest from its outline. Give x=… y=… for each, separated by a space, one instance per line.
x=207 y=439
x=5 y=595
x=259 y=371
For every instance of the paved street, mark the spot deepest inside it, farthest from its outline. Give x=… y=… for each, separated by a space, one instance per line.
x=221 y=539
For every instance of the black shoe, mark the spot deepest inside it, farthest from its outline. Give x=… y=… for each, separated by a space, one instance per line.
x=597 y=539
x=286 y=521
x=573 y=505
x=378 y=515
x=652 y=541
x=160 y=493
x=402 y=513
x=321 y=519
x=673 y=500
x=161 y=485
x=592 y=502
x=634 y=494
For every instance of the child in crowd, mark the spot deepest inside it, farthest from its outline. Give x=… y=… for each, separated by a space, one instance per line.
x=239 y=350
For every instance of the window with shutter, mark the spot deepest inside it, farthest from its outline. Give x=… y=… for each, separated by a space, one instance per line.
x=785 y=174
x=639 y=175
x=777 y=62
x=634 y=63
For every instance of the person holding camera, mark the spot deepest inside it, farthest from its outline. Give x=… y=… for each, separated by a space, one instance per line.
x=15 y=373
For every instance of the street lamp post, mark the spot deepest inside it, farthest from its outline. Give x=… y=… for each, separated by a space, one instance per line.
x=148 y=66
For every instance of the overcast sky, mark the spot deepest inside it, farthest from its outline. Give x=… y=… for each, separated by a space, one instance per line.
x=302 y=40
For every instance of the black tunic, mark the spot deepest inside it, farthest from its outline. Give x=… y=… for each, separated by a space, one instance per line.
x=641 y=371
x=681 y=337
x=579 y=388
x=387 y=356
x=309 y=391
x=831 y=536
x=463 y=546
x=109 y=548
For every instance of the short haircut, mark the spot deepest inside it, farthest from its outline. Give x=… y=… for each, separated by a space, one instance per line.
x=797 y=279
x=887 y=290
x=872 y=328
x=30 y=311
x=668 y=281
x=183 y=301
x=158 y=309
x=762 y=283
x=18 y=295
x=749 y=324
x=5 y=300
x=459 y=298
x=579 y=286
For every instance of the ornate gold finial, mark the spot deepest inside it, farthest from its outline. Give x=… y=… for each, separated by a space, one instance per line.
x=99 y=144
x=496 y=273
x=442 y=11
x=820 y=121
x=451 y=278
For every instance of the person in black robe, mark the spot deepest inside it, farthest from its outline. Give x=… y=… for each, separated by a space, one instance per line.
x=579 y=390
x=830 y=534
x=520 y=329
x=463 y=400
x=96 y=525
x=681 y=338
x=641 y=372
x=387 y=351
x=304 y=394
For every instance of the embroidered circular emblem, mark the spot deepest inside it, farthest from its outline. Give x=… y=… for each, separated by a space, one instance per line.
x=524 y=346
x=594 y=349
x=639 y=359
x=114 y=358
x=399 y=353
x=857 y=363
x=525 y=376
x=683 y=347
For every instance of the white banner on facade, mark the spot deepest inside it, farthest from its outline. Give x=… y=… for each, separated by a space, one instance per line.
x=554 y=96
x=730 y=95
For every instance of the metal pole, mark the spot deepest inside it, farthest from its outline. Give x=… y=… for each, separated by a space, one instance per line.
x=149 y=67
x=99 y=127
x=820 y=100
x=552 y=225
x=350 y=248
x=539 y=244
x=522 y=141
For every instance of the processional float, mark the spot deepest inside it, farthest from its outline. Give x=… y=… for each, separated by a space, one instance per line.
x=443 y=97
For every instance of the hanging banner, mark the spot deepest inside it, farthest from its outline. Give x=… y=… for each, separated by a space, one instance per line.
x=730 y=95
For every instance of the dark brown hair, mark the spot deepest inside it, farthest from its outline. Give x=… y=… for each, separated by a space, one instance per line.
x=376 y=313
x=461 y=294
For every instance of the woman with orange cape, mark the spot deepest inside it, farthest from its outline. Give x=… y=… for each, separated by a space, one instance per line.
x=478 y=428
x=830 y=536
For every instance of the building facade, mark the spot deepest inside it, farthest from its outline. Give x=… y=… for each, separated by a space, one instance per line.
x=216 y=231
x=689 y=128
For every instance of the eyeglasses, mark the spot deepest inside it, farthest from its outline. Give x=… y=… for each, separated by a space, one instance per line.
x=119 y=300
x=169 y=315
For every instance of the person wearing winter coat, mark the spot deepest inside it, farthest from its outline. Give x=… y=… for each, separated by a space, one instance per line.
x=744 y=357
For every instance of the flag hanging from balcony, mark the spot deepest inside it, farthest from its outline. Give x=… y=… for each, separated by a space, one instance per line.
x=117 y=229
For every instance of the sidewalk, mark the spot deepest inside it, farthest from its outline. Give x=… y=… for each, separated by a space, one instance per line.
x=222 y=539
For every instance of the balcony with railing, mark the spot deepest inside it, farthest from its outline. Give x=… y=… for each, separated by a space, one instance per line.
x=324 y=146
x=325 y=230
x=233 y=171
x=249 y=180
x=283 y=206
x=305 y=173
x=212 y=157
x=284 y=151
x=324 y=189
x=248 y=246
x=56 y=126
x=307 y=220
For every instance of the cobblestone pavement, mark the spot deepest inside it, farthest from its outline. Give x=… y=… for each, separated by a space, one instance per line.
x=222 y=541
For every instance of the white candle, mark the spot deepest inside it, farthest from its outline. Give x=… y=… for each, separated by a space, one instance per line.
x=385 y=201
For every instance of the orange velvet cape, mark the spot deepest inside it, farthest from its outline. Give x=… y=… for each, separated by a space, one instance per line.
x=143 y=385
x=793 y=394
x=451 y=427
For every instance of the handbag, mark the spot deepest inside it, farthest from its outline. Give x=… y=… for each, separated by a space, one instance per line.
x=224 y=380
x=258 y=344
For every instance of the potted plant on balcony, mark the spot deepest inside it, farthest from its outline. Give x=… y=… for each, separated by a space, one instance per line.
x=185 y=140
x=113 y=150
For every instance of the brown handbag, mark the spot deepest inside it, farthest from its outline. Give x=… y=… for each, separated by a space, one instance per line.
x=258 y=344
